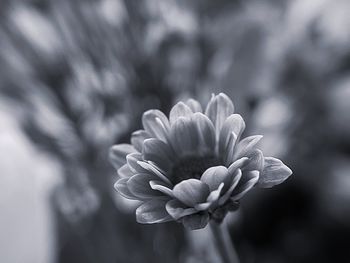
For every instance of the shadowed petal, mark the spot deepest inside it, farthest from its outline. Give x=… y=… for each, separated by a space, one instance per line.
x=248 y=180
x=152 y=168
x=196 y=221
x=125 y=172
x=162 y=187
x=246 y=146
x=177 y=209
x=211 y=200
x=236 y=176
x=194 y=105
x=132 y=160
x=156 y=124
x=234 y=123
x=179 y=110
x=218 y=109
x=184 y=136
x=158 y=152
x=137 y=138
x=229 y=151
x=153 y=211
x=214 y=176
x=118 y=153
x=274 y=172
x=121 y=187
x=238 y=164
x=139 y=186
x=191 y=192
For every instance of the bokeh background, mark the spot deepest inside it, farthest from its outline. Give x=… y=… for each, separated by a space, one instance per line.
x=75 y=77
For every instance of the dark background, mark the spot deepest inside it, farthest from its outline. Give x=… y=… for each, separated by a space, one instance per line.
x=75 y=77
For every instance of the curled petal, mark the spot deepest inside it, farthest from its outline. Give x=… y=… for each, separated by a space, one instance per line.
x=161 y=187
x=191 y=192
x=256 y=161
x=236 y=176
x=176 y=209
x=139 y=186
x=153 y=211
x=274 y=172
x=194 y=105
x=150 y=167
x=137 y=138
x=158 y=152
x=179 y=110
x=248 y=180
x=238 y=164
x=156 y=124
x=118 y=153
x=218 y=109
x=125 y=172
x=234 y=123
x=132 y=160
x=211 y=200
x=122 y=188
x=214 y=176
x=196 y=221
x=246 y=146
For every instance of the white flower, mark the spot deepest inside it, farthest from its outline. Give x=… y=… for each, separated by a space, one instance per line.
x=194 y=166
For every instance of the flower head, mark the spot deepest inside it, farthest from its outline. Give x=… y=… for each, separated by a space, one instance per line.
x=193 y=166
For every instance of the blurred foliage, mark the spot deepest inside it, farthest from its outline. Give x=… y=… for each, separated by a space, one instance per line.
x=78 y=75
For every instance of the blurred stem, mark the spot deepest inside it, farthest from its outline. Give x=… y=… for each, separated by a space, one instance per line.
x=223 y=243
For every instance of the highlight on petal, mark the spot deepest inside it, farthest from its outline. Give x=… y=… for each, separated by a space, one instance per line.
x=229 y=152
x=246 y=146
x=176 y=209
x=152 y=168
x=214 y=176
x=156 y=124
x=274 y=172
x=234 y=123
x=132 y=160
x=179 y=110
x=137 y=138
x=158 y=152
x=153 y=211
x=196 y=221
x=256 y=161
x=139 y=186
x=122 y=188
x=248 y=180
x=194 y=105
x=191 y=192
x=218 y=109
x=125 y=172
x=161 y=187
x=236 y=176
x=118 y=153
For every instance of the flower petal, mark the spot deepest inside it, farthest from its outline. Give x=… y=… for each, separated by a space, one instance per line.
x=156 y=124
x=123 y=189
x=238 y=164
x=118 y=153
x=196 y=221
x=158 y=152
x=132 y=160
x=235 y=177
x=234 y=123
x=137 y=138
x=229 y=151
x=184 y=136
x=161 y=187
x=191 y=192
x=194 y=105
x=256 y=161
x=125 y=172
x=248 y=180
x=246 y=146
x=211 y=199
x=218 y=109
x=153 y=211
x=214 y=176
x=205 y=132
x=274 y=172
x=179 y=110
x=139 y=186
x=176 y=209
x=152 y=168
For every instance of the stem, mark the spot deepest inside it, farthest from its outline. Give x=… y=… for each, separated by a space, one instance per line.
x=223 y=243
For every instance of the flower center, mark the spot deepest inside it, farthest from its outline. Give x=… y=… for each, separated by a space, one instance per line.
x=192 y=167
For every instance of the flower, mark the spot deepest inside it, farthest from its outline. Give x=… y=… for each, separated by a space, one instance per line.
x=194 y=166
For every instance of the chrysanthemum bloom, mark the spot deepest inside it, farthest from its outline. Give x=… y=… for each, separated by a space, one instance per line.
x=194 y=166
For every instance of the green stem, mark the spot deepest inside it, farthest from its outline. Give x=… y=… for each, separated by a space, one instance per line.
x=223 y=243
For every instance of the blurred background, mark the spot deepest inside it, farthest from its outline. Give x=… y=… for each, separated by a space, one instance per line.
x=75 y=77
